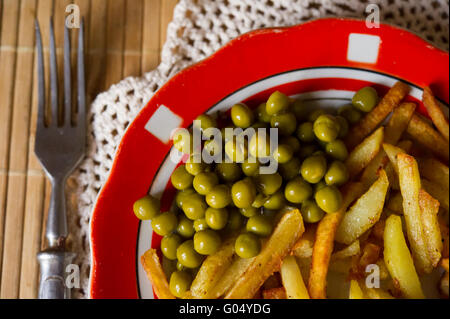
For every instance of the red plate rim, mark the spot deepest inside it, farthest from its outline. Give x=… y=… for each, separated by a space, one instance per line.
x=113 y=225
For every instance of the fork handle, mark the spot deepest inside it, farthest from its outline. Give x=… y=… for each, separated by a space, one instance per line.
x=52 y=280
x=56 y=230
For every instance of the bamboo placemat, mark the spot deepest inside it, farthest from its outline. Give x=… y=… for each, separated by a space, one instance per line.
x=123 y=38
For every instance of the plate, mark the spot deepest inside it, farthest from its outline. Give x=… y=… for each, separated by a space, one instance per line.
x=324 y=62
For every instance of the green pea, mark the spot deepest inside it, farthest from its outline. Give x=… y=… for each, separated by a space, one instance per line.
x=235 y=220
x=241 y=115
x=259 y=225
x=311 y=213
x=187 y=255
x=319 y=186
x=290 y=169
x=181 y=179
x=250 y=167
x=207 y=242
x=337 y=150
x=268 y=184
x=164 y=223
x=194 y=206
x=183 y=141
x=307 y=150
x=326 y=128
x=312 y=117
x=236 y=151
x=276 y=201
x=250 y=211
x=219 y=196
x=247 y=245
x=262 y=114
x=365 y=99
x=169 y=245
x=185 y=227
x=343 y=126
x=216 y=218
x=179 y=266
x=283 y=153
x=313 y=169
x=259 y=145
x=228 y=172
x=259 y=201
x=193 y=166
x=285 y=122
x=292 y=141
x=204 y=182
x=329 y=199
x=243 y=193
x=277 y=103
x=200 y=224
x=337 y=174
x=299 y=109
x=213 y=147
x=258 y=125
x=305 y=132
x=180 y=282
x=351 y=114
x=206 y=122
x=297 y=190
x=181 y=195
x=146 y=207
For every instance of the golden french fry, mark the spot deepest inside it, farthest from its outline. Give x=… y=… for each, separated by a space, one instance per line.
x=395 y=203
x=429 y=208
x=438 y=192
x=409 y=179
x=365 y=212
x=399 y=261
x=212 y=270
x=372 y=119
x=355 y=291
x=231 y=276
x=152 y=266
x=398 y=122
x=392 y=152
x=426 y=135
x=304 y=247
x=435 y=171
x=369 y=174
x=287 y=232
x=384 y=273
x=377 y=293
x=435 y=112
x=349 y=251
x=361 y=156
x=292 y=279
x=274 y=293
x=324 y=243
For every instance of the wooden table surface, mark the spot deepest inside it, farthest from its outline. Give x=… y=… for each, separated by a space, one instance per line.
x=123 y=38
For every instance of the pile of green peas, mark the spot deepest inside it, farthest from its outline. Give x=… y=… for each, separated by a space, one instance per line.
x=214 y=200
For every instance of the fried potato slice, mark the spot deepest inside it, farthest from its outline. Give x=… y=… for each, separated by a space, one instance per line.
x=438 y=192
x=152 y=266
x=435 y=171
x=355 y=291
x=377 y=293
x=287 y=232
x=212 y=269
x=372 y=119
x=410 y=185
x=427 y=136
x=365 y=212
x=304 y=247
x=292 y=279
x=398 y=260
x=398 y=122
x=274 y=293
x=361 y=156
x=349 y=251
x=429 y=208
x=231 y=276
x=324 y=242
x=435 y=112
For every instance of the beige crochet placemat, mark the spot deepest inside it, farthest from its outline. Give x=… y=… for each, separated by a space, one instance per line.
x=199 y=28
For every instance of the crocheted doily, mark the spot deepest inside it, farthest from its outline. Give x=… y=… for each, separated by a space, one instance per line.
x=199 y=28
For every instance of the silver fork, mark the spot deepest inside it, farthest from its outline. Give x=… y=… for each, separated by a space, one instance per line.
x=59 y=147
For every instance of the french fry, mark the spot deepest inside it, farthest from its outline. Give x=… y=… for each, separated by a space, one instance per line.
x=152 y=266
x=212 y=270
x=409 y=179
x=324 y=243
x=429 y=208
x=437 y=192
x=395 y=203
x=292 y=279
x=287 y=232
x=349 y=251
x=435 y=112
x=365 y=212
x=392 y=152
x=398 y=122
x=372 y=119
x=370 y=254
x=361 y=156
x=444 y=263
x=231 y=276
x=399 y=261
x=384 y=273
x=274 y=293
x=427 y=136
x=355 y=291
x=434 y=171
x=377 y=293
x=304 y=247
x=369 y=174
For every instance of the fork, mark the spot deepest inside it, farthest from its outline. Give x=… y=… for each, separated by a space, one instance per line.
x=60 y=147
